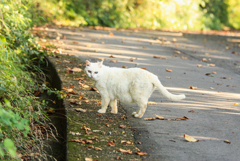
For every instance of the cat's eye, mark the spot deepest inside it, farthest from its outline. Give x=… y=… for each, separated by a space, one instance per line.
x=89 y=71
x=96 y=72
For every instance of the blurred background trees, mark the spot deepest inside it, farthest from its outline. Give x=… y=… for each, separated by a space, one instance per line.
x=152 y=14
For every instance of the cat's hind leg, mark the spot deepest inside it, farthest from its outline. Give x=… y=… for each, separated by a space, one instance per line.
x=142 y=108
x=113 y=104
x=105 y=102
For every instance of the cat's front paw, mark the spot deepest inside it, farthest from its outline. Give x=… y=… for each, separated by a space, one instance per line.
x=136 y=115
x=101 y=111
x=114 y=111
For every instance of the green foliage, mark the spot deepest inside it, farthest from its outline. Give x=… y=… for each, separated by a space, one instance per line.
x=157 y=14
x=21 y=60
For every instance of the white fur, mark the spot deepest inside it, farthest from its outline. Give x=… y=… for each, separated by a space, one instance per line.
x=132 y=85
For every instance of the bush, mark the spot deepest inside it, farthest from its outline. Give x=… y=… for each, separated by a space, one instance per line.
x=159 y=14
x=20 y=58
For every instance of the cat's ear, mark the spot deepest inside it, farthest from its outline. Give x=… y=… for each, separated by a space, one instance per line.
x=88 y=63
x=100 y=64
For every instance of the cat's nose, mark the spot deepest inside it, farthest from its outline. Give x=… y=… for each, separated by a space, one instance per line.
x=91 y=76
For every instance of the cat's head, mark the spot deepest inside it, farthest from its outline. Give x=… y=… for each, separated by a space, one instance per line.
x=94 y=70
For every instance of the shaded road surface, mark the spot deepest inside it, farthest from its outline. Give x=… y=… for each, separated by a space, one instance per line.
x=215 y=116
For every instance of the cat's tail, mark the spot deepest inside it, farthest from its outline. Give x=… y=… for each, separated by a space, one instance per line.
x=165 y=92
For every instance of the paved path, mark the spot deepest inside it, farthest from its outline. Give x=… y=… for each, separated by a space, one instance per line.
x=215 y=118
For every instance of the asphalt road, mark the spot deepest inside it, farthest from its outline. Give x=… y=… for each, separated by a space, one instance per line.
x=215 y=115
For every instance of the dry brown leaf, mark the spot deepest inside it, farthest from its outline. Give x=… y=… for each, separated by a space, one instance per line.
x=89 y=45
x=98 y=149
x=111 y=143
x=131 y=59
x=126 y=142
x=69 y=90
x=111 y=34
x=183 y=57
x=236 y=104
x=168 y=77
x=189 y=138
x=94 y=89
x=159 y=57
x=88 y=159
x=223 y=77
x=191 y=111
x=227 y=141
x=214 y=72
x=106 y=124
x=199 y=65
x=111 y=56
x=204 y=59
x=159 y=117
x=80 y=110
x=124 y=67
x=75 y=69
x=125 y=151
x=211 y=65
x=176 y=51
x=151 y=103
x=122 y=126
x=168 y=70
x=191 y=87
x=144 y=47
x=149 y=119
x=141 y=153
x=113 y=61
x=76 y=103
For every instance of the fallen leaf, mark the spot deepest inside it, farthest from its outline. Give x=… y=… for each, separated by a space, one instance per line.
x=189 y=138
x=111 y=143
x=174 y=39
x=122 y=126
x=88 y=141
x=89 y=45
x=111 y=56
x=75 y=69
x=149 y=119
x=223 y=77
x=141 y=153
x=204 y=59
x=144 y=47
x=230 y=86
x=88 y=159
x=151 y=103
x=191 y=111
x=168 y=70
x=98 y=149
x=159 y=117
x=183 y=57
x=168 y=77
x=111 y=34
x=80 y=110
x=94 y=89
x=176 y=51
x=131 y=59
x=151 y=43
x=106 y=124
x=191 y=87
x=159 y=57
x=236 y=104
x=124 y=67
x=125 y=151
x=214 y=72
x=206 y=54
x=113 y=61
x=126 y=142
x=69 y=90
x=72 y=86
x=78 y=141
x=211 y=65
x=199 y=65
x=227 y=141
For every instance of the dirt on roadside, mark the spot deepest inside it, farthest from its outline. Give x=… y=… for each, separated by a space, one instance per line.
x=90 y=135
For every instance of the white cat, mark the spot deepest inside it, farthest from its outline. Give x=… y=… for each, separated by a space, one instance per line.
x=132 y=85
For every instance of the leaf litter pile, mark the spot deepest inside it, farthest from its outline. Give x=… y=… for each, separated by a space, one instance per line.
x=91 y=136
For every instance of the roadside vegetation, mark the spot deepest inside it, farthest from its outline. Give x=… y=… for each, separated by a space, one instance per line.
x=155 y=14
x=23 y=117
